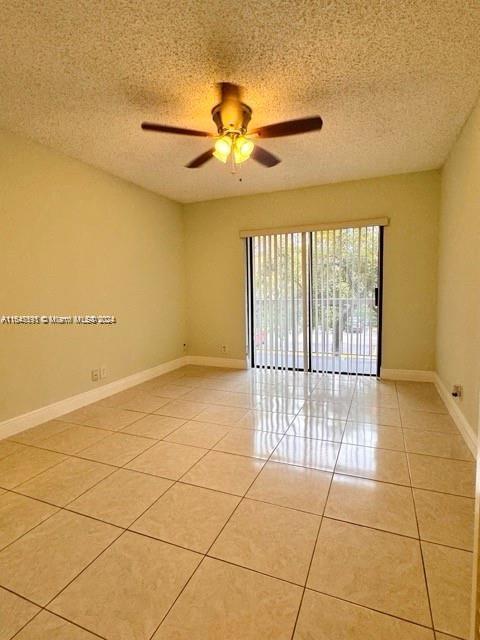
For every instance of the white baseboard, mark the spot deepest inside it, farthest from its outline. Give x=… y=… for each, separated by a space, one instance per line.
x=462 y=423
x=57 y=409
x=408 y=375
x=227 y=363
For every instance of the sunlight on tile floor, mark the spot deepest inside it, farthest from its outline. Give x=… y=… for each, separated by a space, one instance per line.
x=212 y=504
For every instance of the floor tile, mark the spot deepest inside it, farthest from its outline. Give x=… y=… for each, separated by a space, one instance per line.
x=224 y=472
x=326 y=409
x=135 y=400
x=369 y=563
x=188 y=516
x=277 y=404
x=364 y=401
x=153 y=426
x=436 y=444
x=15 y=612
x=291 y=486
x=7 y=447
x=373 y=435
x=421 y=396
x=171 y=391
x=167 y=459
x=449 y=574
x=121 y=498
x=259 y=607
x=221 y=415
x=441 y=474
x=198 y=434
x=265 y=421
x=336 y=393
x=47 y=626
x=376 y=396
x=95 y=415
x=247 y=442
x=317 y=428
x=445 y=519
x=43 y=561
x=218 y=396
x=305 y=452
x=181 y=409
x=25 y=464
x=373 y=568
x=72 y=440
x=336 y=381
x=65 y=482
x=269 y=539
x=441 y=422
x=375 y=415
x=325 y=618
x=151 y=574
x=373 y=504
x=19 y=514
x=117 y=449
x=40 y=432
x=188 y=381
x=376 y=464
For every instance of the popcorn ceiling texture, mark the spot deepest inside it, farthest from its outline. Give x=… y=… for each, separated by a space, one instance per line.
x=394 y=81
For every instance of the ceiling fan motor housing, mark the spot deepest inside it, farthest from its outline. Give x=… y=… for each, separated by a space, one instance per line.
x=230 y=115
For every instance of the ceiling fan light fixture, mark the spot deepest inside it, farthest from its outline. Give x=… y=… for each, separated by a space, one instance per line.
x=238 y=157
x=243 y=149
x=223 y=146
x=220 y=156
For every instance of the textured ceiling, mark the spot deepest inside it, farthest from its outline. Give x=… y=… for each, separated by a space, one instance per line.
x=394 y=80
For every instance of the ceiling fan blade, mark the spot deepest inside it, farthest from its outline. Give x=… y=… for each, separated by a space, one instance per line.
x=264 y=157
x=200 y=160
x=163 y=128
x=289 y=128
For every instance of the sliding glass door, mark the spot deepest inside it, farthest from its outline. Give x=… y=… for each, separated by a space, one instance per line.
x=314 y=300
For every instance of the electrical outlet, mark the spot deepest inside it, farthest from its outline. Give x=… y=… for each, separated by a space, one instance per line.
x=184 y=347
x=224 y=348
x=457 y=391
x=103 y=372
x=95 y=375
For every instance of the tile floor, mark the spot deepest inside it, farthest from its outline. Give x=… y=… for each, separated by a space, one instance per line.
x=214 y=504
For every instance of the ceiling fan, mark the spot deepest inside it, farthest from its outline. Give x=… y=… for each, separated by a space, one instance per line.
x=231 y=117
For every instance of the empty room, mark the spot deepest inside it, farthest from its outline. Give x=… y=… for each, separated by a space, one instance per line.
x=239 y=320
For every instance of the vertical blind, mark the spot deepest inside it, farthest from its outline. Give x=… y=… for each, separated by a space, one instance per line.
x=314 y=300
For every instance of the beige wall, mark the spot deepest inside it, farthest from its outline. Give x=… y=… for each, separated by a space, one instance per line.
x=458 y=332
x=75 y=240
x=215 y=259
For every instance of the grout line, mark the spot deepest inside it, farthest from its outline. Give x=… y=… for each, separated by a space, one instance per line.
x=122 y=532
x=318 y=532
x=364 y=606
x=418 y=531
x=75 y=624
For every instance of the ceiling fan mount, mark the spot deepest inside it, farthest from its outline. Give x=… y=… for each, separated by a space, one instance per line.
x=232 y=117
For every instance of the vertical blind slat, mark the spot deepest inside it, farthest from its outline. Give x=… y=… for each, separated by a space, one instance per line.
x=313 y=300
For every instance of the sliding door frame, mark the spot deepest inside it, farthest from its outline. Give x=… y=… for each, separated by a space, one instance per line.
x=307 y=259
x=380 y=299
